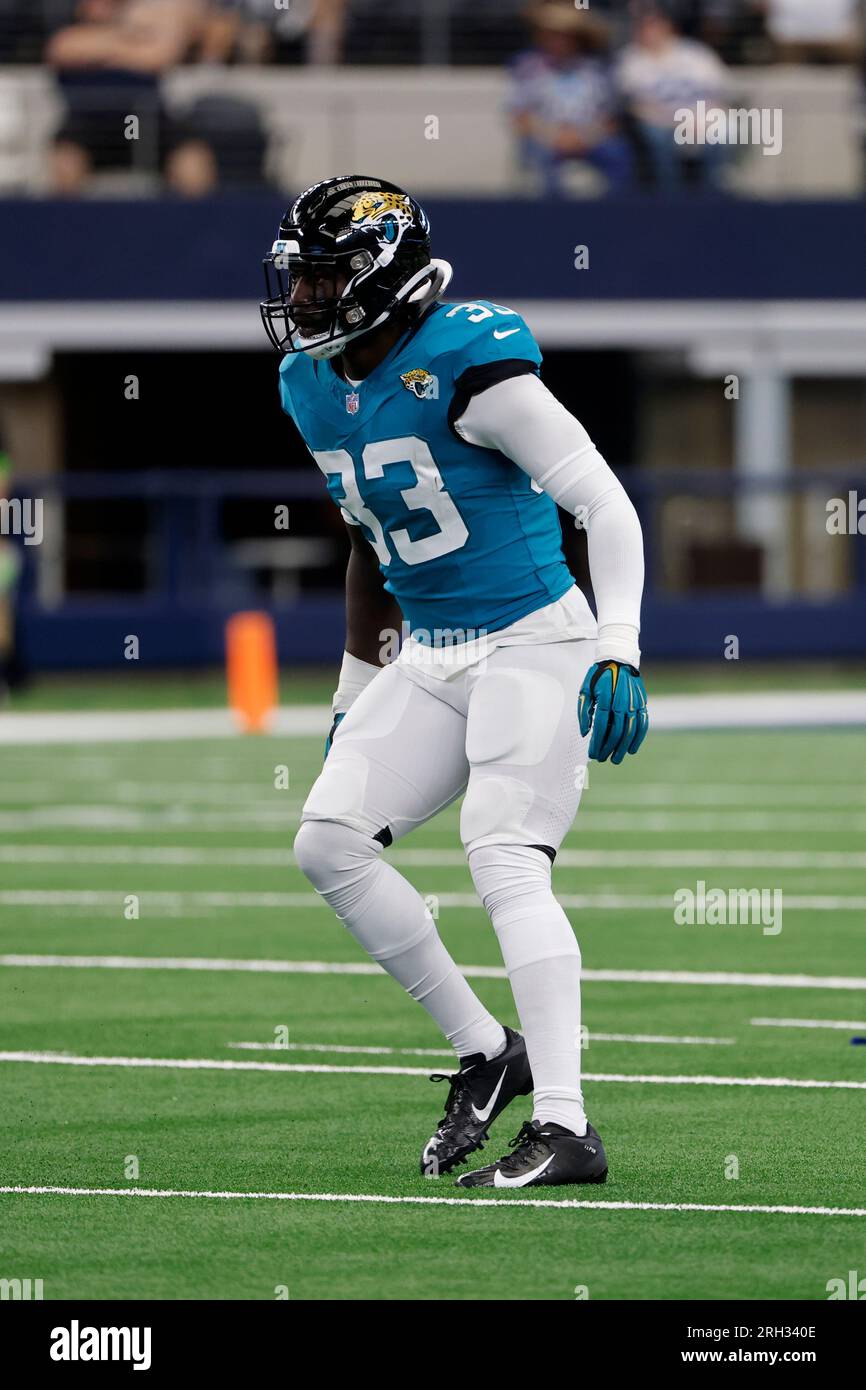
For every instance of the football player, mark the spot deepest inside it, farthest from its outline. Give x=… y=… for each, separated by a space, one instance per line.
x=448 y=457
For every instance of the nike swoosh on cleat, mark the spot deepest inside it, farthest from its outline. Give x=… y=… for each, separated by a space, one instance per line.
x=485 y=1114
x=504 y=332
x=499 y=1180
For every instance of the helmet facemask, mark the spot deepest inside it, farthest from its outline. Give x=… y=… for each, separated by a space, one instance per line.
x=322 y=320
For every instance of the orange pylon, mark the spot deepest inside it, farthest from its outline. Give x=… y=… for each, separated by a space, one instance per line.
x=251 y=669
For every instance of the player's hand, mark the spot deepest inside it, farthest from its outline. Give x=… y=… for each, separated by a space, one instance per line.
x=333 y=729
x=612 y=702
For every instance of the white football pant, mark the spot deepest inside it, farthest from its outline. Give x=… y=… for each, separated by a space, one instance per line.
x=505 y=731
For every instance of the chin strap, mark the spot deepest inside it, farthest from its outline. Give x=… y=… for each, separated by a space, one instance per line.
x=419 y=291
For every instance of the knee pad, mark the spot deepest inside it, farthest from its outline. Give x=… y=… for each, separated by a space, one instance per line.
x=505 y=876
x=494 y=805
x=513 y=883
x=332 y=855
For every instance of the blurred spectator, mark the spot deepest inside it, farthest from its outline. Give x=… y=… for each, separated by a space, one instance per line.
x=219 y=142
x=143 y=36
x=816 y=31
x=732 y=28
x=659 y=74
x=303 y=31
x=562 y=101
x=108 y=65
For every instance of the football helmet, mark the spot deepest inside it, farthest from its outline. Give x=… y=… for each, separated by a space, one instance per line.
x=351 y=253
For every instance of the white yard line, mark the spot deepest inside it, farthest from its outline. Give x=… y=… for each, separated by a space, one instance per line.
x=727 y=793
x=757 y=710
x=170 y=903
x=843 y=1025
x=779 y=1082
x=175 y=903
x=177 y=856
x=440 y=1052
x=653 y=859
x=478 y=972
x=380 y=1199
x=210 y=963
x=114 y=787
x=147 y=726
x=109 y=818
x=662 y=822
x=792 y=709
x=757 y=980
x=195 y=791
x=174 y=856
x=647 y=902
x=69 y=1059
x=593 y=1037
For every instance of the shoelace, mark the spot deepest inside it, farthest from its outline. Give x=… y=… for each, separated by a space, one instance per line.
x=525 y=1137
x=454 y=1079
x=458 y=1083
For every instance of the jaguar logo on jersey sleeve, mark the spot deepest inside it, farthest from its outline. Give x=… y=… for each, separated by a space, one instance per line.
x=421 y=383
x=390 y=213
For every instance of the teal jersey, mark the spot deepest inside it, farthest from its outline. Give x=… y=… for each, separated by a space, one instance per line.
x=465 y=540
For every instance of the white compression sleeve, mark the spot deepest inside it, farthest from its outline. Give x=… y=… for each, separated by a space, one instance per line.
x=522 y=419
x=355 y=676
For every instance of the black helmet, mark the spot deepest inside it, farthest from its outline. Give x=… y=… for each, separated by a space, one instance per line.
x=364 y=231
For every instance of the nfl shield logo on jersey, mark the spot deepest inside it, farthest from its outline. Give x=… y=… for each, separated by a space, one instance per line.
x=353 y=400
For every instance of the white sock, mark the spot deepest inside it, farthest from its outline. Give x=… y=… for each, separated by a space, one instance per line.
x=388 y=917
x=547 y=995
x=542 y=959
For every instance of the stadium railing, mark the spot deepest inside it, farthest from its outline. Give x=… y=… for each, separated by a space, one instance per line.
x=193 y=575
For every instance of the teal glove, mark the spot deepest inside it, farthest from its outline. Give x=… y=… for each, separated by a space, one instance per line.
x=616 y=696
x=330 y=739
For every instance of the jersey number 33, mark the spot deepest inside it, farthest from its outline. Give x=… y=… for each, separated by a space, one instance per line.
x=427 y=494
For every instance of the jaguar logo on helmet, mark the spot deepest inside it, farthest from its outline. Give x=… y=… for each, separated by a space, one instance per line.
x=421 y=383
x=391 y=213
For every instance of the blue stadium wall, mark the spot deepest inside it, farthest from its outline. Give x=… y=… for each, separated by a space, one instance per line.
x=694 y=248
x=697 y=248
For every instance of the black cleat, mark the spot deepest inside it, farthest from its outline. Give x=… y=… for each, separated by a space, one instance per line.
x=479 y=1093
x=544 y=1156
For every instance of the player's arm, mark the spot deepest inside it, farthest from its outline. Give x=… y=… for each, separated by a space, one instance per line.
x=371 y=613
x=370 y=609
x=522 y=419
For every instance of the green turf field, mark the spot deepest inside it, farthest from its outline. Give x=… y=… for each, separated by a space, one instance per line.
x=200 y=836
